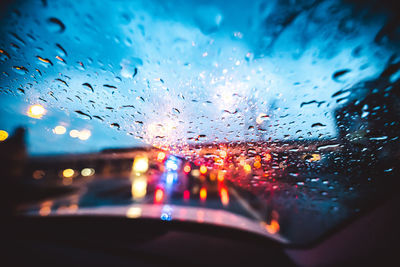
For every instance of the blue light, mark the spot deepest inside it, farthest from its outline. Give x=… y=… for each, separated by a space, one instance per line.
x=166 y=213
x=166 y=217
x=172 y=164
x=170 y=178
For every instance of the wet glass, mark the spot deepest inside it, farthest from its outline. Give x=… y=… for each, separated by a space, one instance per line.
x=284 y=113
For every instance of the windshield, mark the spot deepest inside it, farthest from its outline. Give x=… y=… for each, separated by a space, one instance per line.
x=296 y=102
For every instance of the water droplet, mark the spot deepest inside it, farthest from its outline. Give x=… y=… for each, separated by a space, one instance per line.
x=20 y=70
x=4 y=55
x=378 y=138
x=331 y=146
x=46 y=61
x=110 y=86
x=98 y=117
x=62 y=81
x=86 y=116
x=208 y=18
x=129 y=67
x=88 y=86
x=61 y=59
x=318 y=124
x=115 y=125
x=339 y=74
x=312 y=102
x=61 y=51
x=55 y=25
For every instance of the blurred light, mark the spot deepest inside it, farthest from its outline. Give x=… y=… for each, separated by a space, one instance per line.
x=38 y=174
x=139 y=187
x=45 y=208
x=36 y=111
x=44 y=211
x=315 y=157
x=221 y=176
x=158 y=195
x=224 y=196
x=203 y=194
x=200 y=216
x=213 y=176
x=261 y=117
x=166 y=213
x=170 y=178
x=87 y=172
x=165 y=216
x=267 y=157
x=223 y=154
x=73 y=207
x=186 y=195
x=67 y=181
x=161 y=156
x=59 y=129
x=141 y=164
x=195 y=173
x=257 y=158
x=74 y=133
x=3 y=135
x=171 y=164
x=257 y=165
x=134 y=212
x=68 y=173
x=84 y=134
x=219 y=161
x=187 y=168
x=273 y=227
x=203 y=169
x=247 y=168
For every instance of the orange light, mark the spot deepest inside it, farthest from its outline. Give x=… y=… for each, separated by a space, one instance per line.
x=44 y=211
x=273 y=227
x=267 y=157
x=203 y=169
x=140 y=164
x=160 y=156
x=139 y=187
x=213 y=176
x=187 y=168
x=68 y=173
x=186 y=195
x=36 y=111
x=257 y=165
x=223 y=154
x=221 y=176
x=38 y=174
x=257 y=158
x=203 y=194
x=219 y=161
x=159 y=195
x=134 y=212
x=224 y=196
x=247 y=168
x=3 y=135
x=45 y=208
